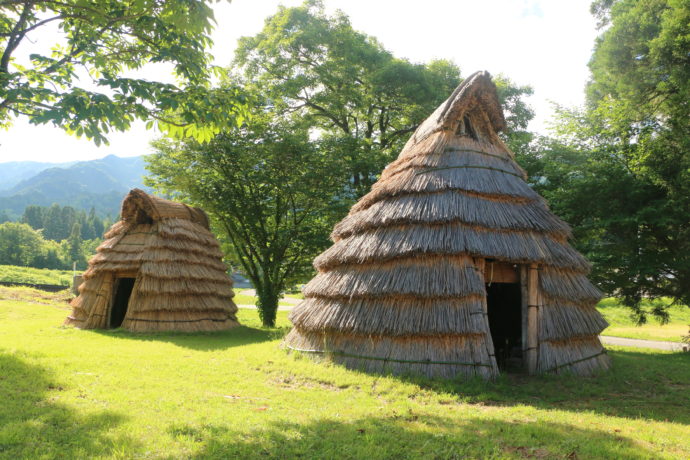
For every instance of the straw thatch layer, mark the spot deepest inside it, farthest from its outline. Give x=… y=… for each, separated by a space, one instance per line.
x=462 y=156
x=581 y=356
x=440 y=356
x=568 y=285
x=181 y=282
x=392 y=316
x=478 y=180
x=453 y=206
x=559 y=320
x=186 y=302
x=415 y=277
x=388 y=243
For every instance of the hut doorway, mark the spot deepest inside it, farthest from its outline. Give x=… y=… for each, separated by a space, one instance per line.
x=123 y=290
x=504 y=308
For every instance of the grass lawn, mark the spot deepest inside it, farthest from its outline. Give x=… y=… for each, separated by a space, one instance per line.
x=66 y=393
x=299 y=296
x=241 y=299
x=622 y=325
x=14 y=274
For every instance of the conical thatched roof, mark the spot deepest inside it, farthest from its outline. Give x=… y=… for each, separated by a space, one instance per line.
x=403 y=288
x=180 y=279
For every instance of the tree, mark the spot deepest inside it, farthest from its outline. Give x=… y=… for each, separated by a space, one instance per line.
x=19 y=244
x=81 y=85
x=53 y=228
x=34 y=216
x=273 y=193
x=51 y=256
x=88 y=248
x=74 y=247
x=628 y=193
x=363 y=101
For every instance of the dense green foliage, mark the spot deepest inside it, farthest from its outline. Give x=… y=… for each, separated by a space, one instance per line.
x=274 y=194
x=233 y=395
x=22 y=245
x=19 y=244
x=96 y=44
x=619 y=171
x=57 y=222
x=364 y=101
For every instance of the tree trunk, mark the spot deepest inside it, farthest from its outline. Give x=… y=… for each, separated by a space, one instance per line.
x=267 y=303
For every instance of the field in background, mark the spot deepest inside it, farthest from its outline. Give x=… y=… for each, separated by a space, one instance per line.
x=14 y=274
x=72 y=394
x=623 y=325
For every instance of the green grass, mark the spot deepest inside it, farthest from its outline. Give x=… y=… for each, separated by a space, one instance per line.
x=295 y=296
x=623 y=325
x=14 y=274
x=241 y=299
x=66 y=393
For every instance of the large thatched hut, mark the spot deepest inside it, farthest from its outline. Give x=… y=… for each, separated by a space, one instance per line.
x=452 y=265
x=159 y=269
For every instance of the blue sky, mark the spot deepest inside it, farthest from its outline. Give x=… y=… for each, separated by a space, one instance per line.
x=545 y=44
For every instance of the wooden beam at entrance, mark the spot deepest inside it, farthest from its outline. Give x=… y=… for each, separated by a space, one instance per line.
x=532 y=317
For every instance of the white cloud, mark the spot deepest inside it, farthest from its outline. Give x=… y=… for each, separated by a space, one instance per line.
x=545 y=44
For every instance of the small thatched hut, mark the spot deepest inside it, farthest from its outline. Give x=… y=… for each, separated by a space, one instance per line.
x=452 y=264
x=159 y=269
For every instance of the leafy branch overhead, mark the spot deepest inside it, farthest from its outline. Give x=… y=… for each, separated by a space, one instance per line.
x=81 y=81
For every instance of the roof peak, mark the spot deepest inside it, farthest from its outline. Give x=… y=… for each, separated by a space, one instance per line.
x=140 y=207
x=476 y=91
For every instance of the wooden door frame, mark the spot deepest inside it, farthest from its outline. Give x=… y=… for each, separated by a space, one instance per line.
x=527 y=275
x=531 y=301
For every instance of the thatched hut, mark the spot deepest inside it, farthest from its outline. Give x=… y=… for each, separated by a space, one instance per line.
x=452 y=265
x=159 y=269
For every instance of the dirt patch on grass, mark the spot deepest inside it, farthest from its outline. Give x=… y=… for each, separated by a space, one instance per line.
x=57 y=299
x=293 y=382
x=530 y=452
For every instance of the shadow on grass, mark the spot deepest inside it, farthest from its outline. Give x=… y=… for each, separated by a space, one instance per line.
x=32 y=425
x=407 y=436
x=654 y=386
x=202 y=341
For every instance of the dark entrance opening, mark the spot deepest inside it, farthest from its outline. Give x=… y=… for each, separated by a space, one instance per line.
x=123 y=289
x=504 y=305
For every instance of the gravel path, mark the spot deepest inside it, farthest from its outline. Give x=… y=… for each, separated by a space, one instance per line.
x=638 y=343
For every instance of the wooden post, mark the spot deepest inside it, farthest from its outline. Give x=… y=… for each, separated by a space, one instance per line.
x=524 y=311
x=532 y=312
x=76 y=282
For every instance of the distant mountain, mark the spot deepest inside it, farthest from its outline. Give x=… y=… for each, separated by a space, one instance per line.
x=13 y=172
x=100 y=184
